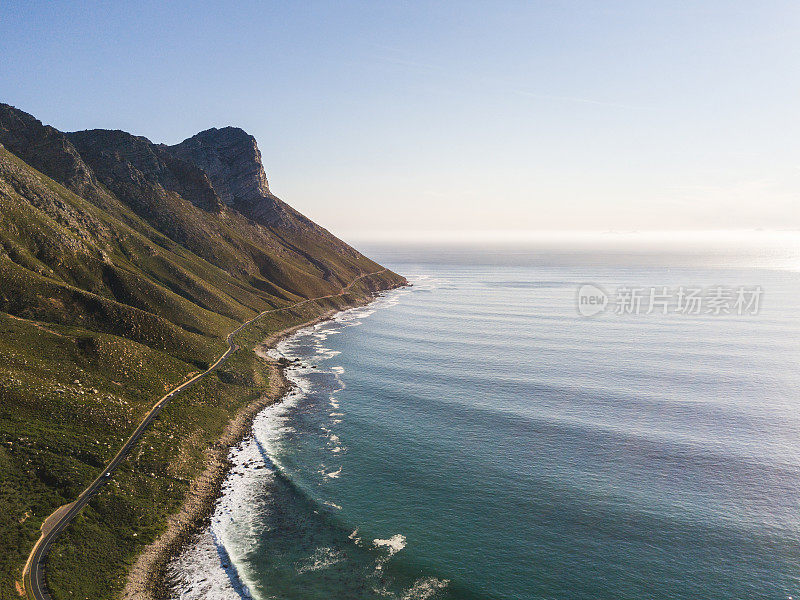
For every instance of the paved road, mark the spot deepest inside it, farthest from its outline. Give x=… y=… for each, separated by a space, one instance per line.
x=33 y=576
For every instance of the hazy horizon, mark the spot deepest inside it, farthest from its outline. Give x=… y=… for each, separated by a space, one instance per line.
x=771 y=250
x=386 y=119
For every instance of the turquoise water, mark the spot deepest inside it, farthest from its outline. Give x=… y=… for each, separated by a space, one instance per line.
x=474 y=437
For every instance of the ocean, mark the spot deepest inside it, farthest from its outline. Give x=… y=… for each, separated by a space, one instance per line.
x=476 y=436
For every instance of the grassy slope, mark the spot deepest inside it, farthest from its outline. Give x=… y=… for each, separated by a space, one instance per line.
x=100 y=314
x=130 y=512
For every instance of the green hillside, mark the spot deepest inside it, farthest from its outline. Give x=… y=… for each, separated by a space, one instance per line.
x=124 y=264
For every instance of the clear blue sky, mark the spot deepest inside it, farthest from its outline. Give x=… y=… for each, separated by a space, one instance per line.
x=448 y=116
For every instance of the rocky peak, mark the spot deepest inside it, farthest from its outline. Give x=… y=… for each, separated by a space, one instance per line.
x=45 y=148
x=231 y=159
x=122 y=159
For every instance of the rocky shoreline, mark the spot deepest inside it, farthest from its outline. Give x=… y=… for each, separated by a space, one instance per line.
x=147 y=578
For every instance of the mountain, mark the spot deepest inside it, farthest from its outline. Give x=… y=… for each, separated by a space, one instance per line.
x=124 y=265
x=232 y=161
x=171 y=231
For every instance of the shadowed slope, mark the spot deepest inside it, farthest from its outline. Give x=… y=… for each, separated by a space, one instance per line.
x=124 y=264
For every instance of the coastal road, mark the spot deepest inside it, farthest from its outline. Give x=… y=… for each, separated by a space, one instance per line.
x=33 y=575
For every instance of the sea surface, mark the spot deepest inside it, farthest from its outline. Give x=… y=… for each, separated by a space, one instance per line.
x=474 y=436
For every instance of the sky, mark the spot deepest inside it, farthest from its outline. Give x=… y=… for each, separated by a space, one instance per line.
x=392 y=119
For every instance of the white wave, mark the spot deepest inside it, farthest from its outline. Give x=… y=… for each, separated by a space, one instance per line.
x=200 y=574
x=422 y=283
x=273 y=353
x=207 y=569
x=332 y=504
x=354 y=536
x=333 y=474
x=425 y=588
x=395 y=543
x=321 y=559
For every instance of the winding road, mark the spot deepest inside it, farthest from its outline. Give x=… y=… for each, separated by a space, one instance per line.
x=33 y=575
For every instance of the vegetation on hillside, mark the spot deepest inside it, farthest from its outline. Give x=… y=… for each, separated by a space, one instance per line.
x=122 y=272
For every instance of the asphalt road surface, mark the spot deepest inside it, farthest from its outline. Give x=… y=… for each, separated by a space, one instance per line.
x=33 y=576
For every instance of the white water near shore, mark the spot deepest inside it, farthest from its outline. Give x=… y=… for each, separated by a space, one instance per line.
x=206 y=570
x=491 y=442
x=210 y=568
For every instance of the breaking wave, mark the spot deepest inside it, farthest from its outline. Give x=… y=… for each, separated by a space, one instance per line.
x=266 y=493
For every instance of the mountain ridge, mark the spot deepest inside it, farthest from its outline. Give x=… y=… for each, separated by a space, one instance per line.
x=124 y=265
x=156 y=181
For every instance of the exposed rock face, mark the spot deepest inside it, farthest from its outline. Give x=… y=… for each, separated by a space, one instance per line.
x=46 y=149
x=232 y=160
x=213 y=169
x=126 y=162
x=208 y=194
x=122 y=264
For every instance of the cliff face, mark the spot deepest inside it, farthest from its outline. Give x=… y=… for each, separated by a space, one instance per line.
x=123 y=266
x=135 y=169
x=232 y=160
x=146 y=240
x=209 y=194
x=44 y=148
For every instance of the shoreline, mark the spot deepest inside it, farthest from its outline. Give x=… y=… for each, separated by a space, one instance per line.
x=147 y=578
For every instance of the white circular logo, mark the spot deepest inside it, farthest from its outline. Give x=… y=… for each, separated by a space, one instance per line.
x=591 y=300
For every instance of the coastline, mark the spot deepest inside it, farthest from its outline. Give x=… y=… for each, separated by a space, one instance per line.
x=147 y=578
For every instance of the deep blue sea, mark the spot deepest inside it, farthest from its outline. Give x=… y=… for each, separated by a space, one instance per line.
x=474 y=436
